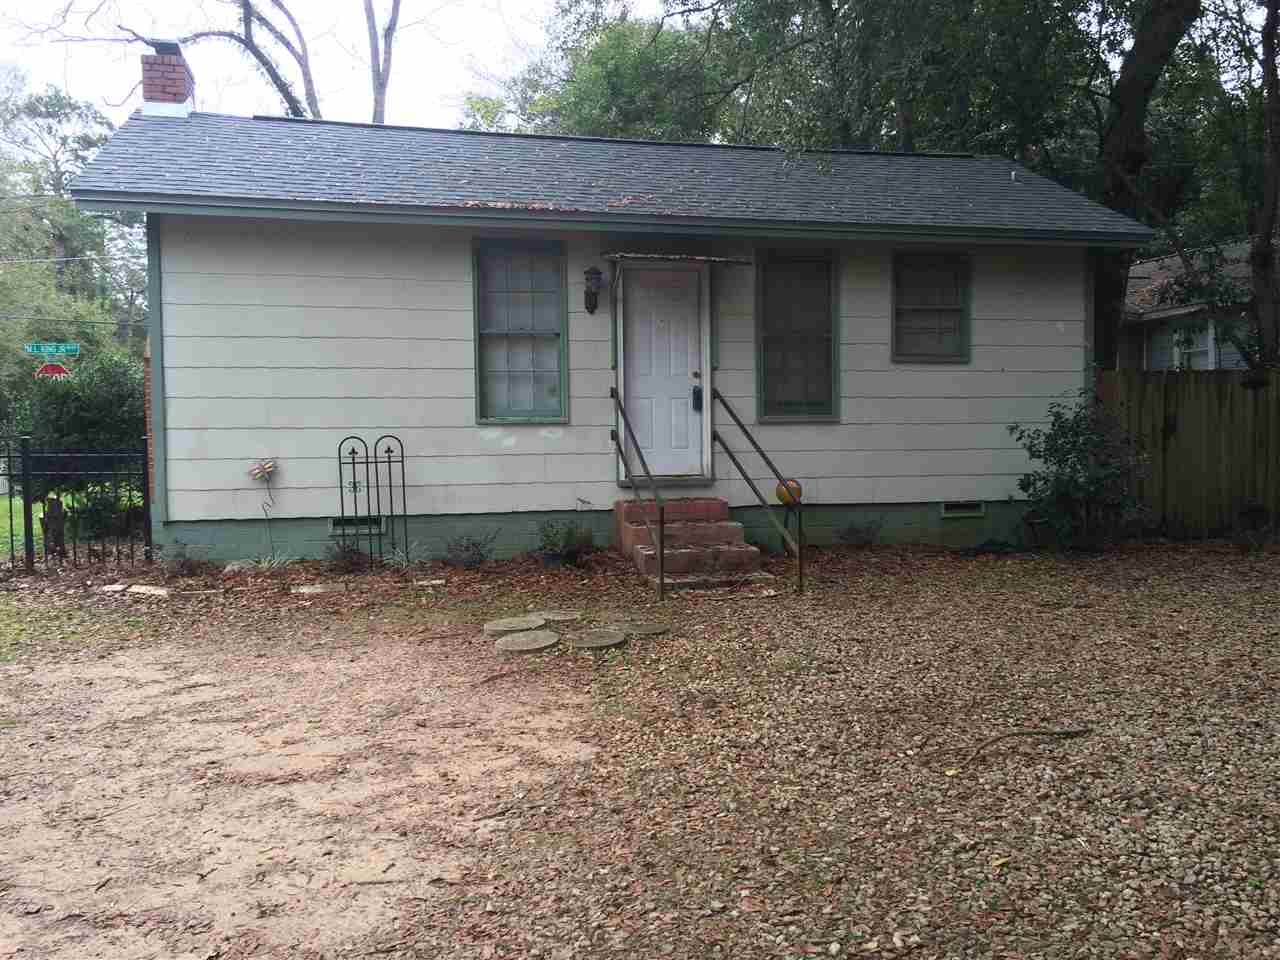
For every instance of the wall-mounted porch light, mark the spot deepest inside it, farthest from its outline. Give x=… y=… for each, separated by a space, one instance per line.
x=594 y=280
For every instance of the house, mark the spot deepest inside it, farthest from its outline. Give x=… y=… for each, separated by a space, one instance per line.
x=1161 y=333
x=875 y=320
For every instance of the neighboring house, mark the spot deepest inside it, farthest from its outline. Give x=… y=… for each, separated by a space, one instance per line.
x=1164 y=335
x=877 y=320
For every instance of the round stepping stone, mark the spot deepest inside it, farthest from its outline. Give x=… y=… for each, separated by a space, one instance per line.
x=497 y=628
x=527 y=641
x=645 y=629
x=558 y=616
x=599 y=640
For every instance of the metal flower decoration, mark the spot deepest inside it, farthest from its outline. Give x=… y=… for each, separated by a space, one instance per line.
x=262 y=470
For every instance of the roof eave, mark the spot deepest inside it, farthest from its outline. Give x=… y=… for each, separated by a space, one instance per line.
x=510 y=217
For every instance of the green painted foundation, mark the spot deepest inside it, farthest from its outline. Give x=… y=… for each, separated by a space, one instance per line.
x=517 y=533
x=307 y=538
x=895 y=523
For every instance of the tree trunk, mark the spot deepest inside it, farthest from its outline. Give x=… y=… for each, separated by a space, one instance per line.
x=1125 y=149
x=380 y=59
x=906 y=112
x=1262 y=254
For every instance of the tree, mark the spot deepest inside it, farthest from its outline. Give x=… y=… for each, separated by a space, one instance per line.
x=380 y=55
x=267 y=32
x=66 y=274
x=1125 y=149
x=1209 y=121
x=626 y=78
x=1262 y=254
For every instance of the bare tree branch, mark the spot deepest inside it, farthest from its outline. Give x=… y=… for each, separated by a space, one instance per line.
x=303 y=56
x=268 y=66
x=380 y=58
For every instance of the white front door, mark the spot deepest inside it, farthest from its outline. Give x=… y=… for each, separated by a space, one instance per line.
x=662 y=360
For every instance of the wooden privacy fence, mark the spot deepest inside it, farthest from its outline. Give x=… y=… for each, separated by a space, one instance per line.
x=1213 y=444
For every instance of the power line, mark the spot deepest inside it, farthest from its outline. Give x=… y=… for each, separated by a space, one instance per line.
x=96 y=256
x=104 y=323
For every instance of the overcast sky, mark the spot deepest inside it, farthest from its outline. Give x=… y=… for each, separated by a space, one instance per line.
x=447 y=47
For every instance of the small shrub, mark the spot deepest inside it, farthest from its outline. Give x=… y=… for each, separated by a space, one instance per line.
x=402 y=558
x=272 y=563
x=177 y=562
x=469 y=552
x=862 y=535
x=566 y=539
x=343 y=556
x=1085 y=491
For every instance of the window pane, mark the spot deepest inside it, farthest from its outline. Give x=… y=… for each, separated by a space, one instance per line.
x=520 y=393
x=546 y=311
x=495 y=395
x=1160 y=350
x=519 y=353
x=797 y=331
x=493 y=273
x=521 y=276
x=546 y=393
x=493 y=352
x=493 y=311
x=545 y=273
x=520 y=326
x=546 y=353
x=1195 y=359
x=930 y=281
x=930 y=295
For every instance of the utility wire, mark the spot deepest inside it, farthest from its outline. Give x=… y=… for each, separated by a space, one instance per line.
x=96 y=256
x=105 y=323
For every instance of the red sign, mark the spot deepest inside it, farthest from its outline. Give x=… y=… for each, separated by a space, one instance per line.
x=53 y=371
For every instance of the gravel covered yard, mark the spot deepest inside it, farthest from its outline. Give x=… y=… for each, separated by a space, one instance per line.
x=777 y=777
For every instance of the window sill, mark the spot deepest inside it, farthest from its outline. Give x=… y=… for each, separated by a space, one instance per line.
x=931 y=361
x=803 y=418
x=521 y=421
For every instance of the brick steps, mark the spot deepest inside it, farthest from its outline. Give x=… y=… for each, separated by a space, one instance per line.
x=700 y=538
x=712 y=581
x=682 y=534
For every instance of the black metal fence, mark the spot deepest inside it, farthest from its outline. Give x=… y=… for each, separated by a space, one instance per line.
x=73 y=506
x=371 y=497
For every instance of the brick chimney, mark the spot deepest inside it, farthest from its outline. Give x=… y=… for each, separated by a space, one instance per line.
x=168 y=86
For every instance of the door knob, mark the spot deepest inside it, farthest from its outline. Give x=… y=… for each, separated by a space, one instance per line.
x=697 y=398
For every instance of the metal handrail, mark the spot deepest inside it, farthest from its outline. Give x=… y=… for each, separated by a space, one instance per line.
x=658 y=538
x=796 y=543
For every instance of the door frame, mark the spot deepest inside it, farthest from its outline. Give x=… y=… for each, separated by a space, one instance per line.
x=703 y=271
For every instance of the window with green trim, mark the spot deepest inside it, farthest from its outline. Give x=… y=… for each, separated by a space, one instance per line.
x=931 y=308
x=520 y=332
x=796 y=338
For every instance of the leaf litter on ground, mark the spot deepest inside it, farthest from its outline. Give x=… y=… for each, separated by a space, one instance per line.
x=797 y=775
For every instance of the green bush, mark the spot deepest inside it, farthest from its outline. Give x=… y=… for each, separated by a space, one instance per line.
x=100 y=407
x=470 y=552
x=1085 y=490
x=566 y=539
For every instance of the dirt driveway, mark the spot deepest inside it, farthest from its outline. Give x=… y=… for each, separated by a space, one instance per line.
x=215 y=795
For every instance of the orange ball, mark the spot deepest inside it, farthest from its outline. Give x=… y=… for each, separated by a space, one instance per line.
x=789 y=493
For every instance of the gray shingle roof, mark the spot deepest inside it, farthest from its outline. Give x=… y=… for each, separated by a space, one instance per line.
x=211 y=159
x=1151 y=282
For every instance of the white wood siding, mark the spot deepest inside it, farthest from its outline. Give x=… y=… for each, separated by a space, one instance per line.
x=916 y=432
x=281 y=338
